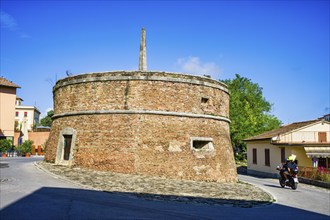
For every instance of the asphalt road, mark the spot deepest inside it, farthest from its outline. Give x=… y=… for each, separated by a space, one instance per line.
x=29 y=193
x=306 y=197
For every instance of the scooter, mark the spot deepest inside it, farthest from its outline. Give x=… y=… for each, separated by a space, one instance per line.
x=292 y=178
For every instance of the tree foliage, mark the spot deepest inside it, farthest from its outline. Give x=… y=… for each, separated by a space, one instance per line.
x=249 y=111
x=5 y=145
x=47 y=120
x=25 y=147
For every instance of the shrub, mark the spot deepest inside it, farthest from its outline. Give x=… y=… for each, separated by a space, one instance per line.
x=25 y=147
x=5 y=145
x=323 y=174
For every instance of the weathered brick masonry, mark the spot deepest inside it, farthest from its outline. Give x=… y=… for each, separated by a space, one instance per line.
x=150 y=123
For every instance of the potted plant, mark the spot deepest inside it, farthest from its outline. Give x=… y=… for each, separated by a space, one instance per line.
x=25 y=148
x=5 y=145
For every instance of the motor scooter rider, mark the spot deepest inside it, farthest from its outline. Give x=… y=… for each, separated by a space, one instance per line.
x=290 y=166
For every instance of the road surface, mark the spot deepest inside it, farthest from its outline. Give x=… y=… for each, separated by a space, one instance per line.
x=305 y=197
x=29 y=193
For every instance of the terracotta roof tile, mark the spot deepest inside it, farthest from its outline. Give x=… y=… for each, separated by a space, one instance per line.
x=281 y=130
x=7 y=83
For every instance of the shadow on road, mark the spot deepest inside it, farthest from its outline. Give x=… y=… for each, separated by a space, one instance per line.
x=274 y=186
x=66 y=203
x=4 y=165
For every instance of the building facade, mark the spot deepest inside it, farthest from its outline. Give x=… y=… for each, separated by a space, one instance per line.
x=308 y=140
x=142 y=122
x=7 y=108
x=26 y=114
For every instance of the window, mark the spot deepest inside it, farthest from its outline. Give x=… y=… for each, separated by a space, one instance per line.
x=202 y=144
x=25 y=114
x=202 y=147
x=322 y=137
x=254 y=155
x=16 y=114
x=204 y=100
x=267 y=157
x=282 y=155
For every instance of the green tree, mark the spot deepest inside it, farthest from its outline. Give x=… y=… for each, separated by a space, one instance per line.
x=47 y=120
x=249 y=111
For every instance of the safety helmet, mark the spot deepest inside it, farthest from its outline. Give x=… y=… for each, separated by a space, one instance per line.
x=292 y=157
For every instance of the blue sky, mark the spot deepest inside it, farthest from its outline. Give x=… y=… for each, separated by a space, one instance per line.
x=281 y=45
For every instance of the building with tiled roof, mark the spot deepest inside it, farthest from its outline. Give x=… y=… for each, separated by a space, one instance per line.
x=6 y=83
x=308 y=140
x=7 y=108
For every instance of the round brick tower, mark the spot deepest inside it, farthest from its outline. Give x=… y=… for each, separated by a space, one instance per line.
x=140 y=122
x=143 y=122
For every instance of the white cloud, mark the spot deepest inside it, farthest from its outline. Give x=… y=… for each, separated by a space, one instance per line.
x=194 y=65
x=7 y=21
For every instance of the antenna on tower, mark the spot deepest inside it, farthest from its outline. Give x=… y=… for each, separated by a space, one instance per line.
x=143 y=52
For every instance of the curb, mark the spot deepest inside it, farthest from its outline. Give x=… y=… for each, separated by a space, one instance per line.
x=242 y=205
x=273 y=199
x=63 y=178
x=314 y=182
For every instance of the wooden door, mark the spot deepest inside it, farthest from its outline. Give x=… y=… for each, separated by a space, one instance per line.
x=67 y=146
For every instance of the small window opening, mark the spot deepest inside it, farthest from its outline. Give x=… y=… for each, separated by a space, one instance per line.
x=204 y=100
x=200 y=144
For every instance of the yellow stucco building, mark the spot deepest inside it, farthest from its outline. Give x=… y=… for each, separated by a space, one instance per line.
x=308 y=140
x=7 y=108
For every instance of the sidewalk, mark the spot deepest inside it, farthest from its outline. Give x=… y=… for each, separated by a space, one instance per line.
x=156 y=188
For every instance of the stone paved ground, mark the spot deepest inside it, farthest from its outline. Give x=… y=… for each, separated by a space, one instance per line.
x=157 y=188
